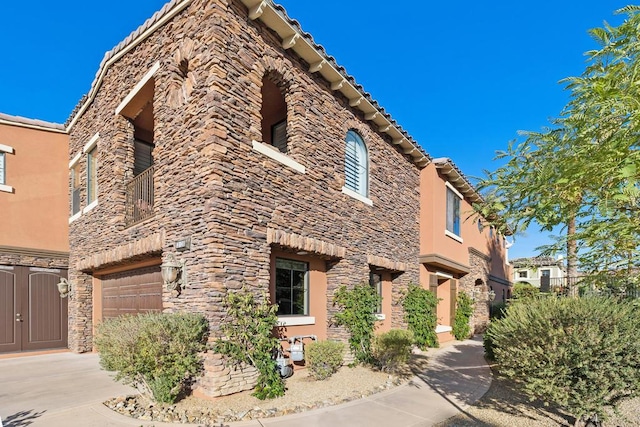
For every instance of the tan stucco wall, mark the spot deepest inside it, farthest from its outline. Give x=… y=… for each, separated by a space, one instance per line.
x=36 y=214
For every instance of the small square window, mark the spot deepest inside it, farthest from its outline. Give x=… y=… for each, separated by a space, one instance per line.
x=292 y=287
x=522 y=274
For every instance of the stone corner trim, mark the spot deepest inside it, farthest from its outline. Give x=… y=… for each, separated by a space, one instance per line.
x=302 y=243
x=146 y=245
x=479 y=254
x=386 y=263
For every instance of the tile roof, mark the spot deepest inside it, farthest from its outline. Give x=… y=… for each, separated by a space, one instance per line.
x=30 y=123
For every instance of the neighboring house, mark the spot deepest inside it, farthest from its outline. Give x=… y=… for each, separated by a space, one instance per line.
x=458 y=253
x=34 y=248
x=542 y=272
x=221 y=141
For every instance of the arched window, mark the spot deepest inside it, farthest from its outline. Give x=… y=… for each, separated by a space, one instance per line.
x=356 y=164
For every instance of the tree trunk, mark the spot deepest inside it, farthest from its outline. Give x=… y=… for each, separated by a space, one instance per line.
x=572 y=256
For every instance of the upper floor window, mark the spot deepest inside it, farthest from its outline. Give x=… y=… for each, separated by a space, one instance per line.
x=92 y=175
x=545 y=273
x=292 y=287
x=523 y=274
x=4 y=150
x=76 y=186
x=453 y=211
x=2 y=169
x=274 y=115
x=356 y=165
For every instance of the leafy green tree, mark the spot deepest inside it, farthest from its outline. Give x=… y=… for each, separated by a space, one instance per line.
x=582 y=175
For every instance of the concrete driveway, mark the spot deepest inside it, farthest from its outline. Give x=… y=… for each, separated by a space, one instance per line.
x=54 y=390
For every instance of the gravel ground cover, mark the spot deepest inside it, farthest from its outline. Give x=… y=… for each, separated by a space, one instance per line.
x=505 y=406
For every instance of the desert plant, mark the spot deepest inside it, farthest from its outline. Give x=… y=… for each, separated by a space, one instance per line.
x=497 y=310
x=324 y=358
x=525 y=291
x=578 y=353
x=356 y=314
x=420 y=314
x=249 y=339
x=464 y=310
x=392 y=349
x=158 y=353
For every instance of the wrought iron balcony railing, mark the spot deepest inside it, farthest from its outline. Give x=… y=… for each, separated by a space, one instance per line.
x=139 y=204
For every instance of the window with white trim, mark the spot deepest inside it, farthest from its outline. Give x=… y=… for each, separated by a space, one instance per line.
x=76 y=188
x=375 y=281
x=292 y=287
x=92 y=175
x=356 y=164
x=453 y=212
x=3 y=177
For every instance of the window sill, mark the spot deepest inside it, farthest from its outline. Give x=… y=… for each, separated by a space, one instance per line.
x=75 y=216
x=276 y=155
x=380 y=316
x=6 y=188
x=453 y=236
x=296 y=320
x=441 y=329
x=357 y=196
x=90 y=206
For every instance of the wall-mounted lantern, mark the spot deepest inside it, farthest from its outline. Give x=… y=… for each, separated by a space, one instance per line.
x=174 y=273
x=64 y=287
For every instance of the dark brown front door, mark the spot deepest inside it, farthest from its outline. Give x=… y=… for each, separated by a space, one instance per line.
x=131 y=292
x=33 y=316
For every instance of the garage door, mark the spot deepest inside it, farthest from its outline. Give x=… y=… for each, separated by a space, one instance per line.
x=132 y=292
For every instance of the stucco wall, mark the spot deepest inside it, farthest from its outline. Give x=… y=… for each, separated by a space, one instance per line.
x=35 y=214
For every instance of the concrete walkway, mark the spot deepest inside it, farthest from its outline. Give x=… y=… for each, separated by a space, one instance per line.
x=66 y=390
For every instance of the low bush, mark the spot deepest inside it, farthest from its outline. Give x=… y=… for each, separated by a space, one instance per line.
x=248 y=337
x=525 y=291
x=420 y=314
x=464 y=311
x=392 y=349
x=157 y=353
x=324 y=358
x=578 y=353
x=497 y=310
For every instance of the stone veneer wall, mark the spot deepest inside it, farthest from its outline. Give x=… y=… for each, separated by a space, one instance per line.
x=212 y=187
x=33 y=258
x=480 y=264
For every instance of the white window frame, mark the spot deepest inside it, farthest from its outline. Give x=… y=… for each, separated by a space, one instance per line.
x=296 y=317
x=4 y=150
x=356 y=167
x=455 y=193
x=88 y=147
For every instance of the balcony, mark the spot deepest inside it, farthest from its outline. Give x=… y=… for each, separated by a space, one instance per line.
x=139 y=204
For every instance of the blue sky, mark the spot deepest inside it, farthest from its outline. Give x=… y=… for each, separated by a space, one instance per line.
x=462 y=79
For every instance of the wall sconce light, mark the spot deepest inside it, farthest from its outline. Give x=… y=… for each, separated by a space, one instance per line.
x=492 y=295
x=64 y=287
x=174 y=274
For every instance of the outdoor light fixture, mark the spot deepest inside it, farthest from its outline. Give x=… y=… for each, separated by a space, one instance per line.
x=173 y=273
x=64 y=287
x=492 y=295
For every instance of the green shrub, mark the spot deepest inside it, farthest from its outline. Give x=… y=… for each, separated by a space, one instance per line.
x=356 y=314
x=158 y=353
x=579 y=353
x=497 y=310
x=248 y=338
x=324 y=358
x=464 y=310
x=420 y=314
x=392 y=349
x=525 y=291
